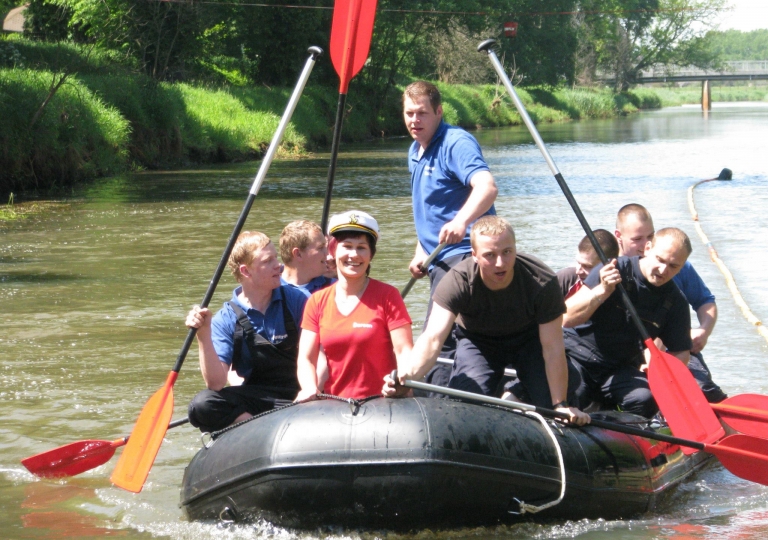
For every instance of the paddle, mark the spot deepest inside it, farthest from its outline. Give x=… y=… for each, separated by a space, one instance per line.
x=674 y=388
x=747 y=413
x=424 y=266
x=744 y=456
x=77 y=457
x=140 y=452
x=351 y=32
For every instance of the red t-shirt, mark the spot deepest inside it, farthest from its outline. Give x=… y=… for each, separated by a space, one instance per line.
x=358 y=346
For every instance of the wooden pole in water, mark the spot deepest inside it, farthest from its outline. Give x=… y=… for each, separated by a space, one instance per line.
x=706 y=96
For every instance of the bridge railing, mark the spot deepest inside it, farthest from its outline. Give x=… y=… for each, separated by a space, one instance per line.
x=752 y=67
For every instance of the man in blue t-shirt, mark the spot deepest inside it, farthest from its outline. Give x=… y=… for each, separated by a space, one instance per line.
x=304 y=251
x=603 y=340
x=634 y=230
x=451 y=187
x=251 y=343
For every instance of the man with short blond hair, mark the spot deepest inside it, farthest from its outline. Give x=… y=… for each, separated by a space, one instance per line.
x=304 y=250
x=634 y=229
x=508 y=310
x=251 y=343
x=602 y=339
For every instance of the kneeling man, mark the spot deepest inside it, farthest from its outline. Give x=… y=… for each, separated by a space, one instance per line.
x=252 y=342
x=601 y=338
x=508 y=309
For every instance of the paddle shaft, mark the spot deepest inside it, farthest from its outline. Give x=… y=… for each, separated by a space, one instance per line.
x=486 y=47
x=137 y=459
x=351 y=31
x=332 y=165
x=552 y=414
x=425 y=267
x=314 y=52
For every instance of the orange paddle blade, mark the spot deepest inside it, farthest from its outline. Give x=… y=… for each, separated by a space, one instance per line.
x=72 y=459
x=351 y=32
x=744 y=456
x=145 y=440
x=747 y=413
x=680 y=399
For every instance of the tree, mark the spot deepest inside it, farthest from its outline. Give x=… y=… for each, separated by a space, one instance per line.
x=623 y=37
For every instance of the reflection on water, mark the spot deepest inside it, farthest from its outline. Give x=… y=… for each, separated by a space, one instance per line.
x=94 y=293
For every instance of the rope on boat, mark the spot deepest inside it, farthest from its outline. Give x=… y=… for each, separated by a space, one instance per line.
x=354 y=405
x=729 y=281
x=531 y=508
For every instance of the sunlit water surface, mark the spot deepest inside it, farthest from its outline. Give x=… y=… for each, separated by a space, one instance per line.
x=94 y=291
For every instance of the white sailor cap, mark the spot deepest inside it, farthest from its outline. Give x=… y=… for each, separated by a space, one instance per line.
x=354 y=220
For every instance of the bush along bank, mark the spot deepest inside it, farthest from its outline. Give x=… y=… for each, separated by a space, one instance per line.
x=105 y=118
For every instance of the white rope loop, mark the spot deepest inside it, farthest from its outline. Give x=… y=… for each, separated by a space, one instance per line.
x=531 y=508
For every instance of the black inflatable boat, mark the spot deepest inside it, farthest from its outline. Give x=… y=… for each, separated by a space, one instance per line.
x=420 y=462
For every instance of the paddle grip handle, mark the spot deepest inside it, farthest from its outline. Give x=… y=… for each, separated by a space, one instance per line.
x=486 y=46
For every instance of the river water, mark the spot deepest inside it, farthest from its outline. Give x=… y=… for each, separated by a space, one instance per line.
x=94 y=291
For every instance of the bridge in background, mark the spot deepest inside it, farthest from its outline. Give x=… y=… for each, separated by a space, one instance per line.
x=741 y=70
x=738 y=70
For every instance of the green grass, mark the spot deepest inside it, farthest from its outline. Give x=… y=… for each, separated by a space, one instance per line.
x=108 y=117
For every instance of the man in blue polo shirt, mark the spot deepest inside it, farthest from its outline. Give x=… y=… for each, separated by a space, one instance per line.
x=252 y=342
x=304 y=251
x=450 y=183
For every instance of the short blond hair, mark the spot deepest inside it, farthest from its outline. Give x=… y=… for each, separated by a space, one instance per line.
x=680 y=238
x=489 y=226
x=632 y=209
x=297 y=234
x=244 y=250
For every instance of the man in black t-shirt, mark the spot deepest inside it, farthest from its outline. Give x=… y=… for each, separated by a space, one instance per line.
x=602 y=339
x=508 y=310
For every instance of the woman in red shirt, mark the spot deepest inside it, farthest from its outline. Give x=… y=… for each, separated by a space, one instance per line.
x=361 y=323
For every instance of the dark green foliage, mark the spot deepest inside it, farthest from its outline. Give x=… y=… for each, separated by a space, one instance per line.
x=50 y=21
x=545 y=43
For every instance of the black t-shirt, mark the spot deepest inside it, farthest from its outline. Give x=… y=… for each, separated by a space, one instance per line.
x=663 y=310
x=533 y=298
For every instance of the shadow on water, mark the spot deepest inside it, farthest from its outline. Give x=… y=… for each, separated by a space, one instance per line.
x=38 y=277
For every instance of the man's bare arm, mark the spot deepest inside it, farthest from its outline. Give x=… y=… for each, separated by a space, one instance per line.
x=585 y=301
x=707 y=315
x=481 y=199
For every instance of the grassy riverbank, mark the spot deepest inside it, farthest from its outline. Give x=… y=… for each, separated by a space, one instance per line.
x=71 y=113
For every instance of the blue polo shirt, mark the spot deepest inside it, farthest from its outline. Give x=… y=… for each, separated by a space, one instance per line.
x=315 y=284
x=693 y=287
x=440 y=184
x=270 y=325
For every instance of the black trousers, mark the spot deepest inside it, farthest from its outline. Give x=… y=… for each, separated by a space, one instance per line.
x=611 y=384
x=212 y=410
x=701 y=373
x=480 y=363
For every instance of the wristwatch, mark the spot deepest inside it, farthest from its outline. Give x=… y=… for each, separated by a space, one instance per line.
x=560 y=404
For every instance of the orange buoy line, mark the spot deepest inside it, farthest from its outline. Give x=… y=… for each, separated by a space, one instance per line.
x=725 y=174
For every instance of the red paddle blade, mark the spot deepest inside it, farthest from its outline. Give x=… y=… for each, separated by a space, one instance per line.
x=680 y=399
x=747 y=413
x=744 y=456
x=134 y=464
x=351 y=32
x=72 y=459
